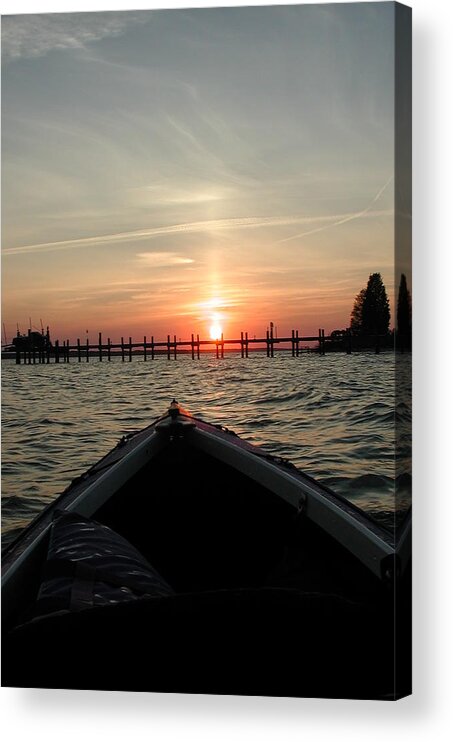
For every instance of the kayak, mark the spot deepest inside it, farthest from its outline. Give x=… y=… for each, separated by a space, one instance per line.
x=188 y=560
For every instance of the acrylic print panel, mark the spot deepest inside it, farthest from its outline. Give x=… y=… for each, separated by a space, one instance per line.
x=211 y=205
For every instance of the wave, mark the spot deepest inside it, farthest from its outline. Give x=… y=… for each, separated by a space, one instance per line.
x=333 y=417
x=63 y=423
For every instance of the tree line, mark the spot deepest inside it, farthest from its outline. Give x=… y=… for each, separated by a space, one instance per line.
x=370 y=314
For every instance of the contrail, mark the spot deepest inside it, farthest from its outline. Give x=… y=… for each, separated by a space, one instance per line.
x=381 y=191
x=209 y=226
x=343 y=220
x=250 y=222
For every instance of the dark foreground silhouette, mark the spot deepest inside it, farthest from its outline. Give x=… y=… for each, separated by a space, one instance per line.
x=193 y=576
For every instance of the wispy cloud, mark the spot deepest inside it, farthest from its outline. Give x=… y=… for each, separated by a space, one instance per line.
x=192 y=194
x=163 y=259
x=208 y=226
x=36 y=35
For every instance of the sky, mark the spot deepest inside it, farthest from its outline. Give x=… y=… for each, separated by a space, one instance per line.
x=167 y=171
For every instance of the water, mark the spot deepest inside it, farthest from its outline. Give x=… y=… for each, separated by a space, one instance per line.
x=332 y=416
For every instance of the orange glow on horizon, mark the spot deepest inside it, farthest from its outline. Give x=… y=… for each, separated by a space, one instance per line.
x=207 y=314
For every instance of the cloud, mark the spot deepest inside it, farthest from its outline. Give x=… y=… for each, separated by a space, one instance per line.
x=28 y=36
x=208 y=226
x=163 y=259
x=167 y=195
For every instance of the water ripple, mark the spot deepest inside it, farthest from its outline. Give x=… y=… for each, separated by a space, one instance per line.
x=333 y=416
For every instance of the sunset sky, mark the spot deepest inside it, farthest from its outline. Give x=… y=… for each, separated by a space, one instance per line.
x=164 y=170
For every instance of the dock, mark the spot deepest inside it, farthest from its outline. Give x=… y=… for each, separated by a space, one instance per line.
x=149 y=348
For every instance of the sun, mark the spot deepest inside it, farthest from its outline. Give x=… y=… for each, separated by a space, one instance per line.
x=215 y=331
x=215 y=318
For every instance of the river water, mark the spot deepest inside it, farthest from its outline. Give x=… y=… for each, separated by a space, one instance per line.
x=332 y=416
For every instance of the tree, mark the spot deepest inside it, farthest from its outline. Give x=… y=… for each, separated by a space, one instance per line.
x=356 y=314
x=371 y=313
x=404 y=312
x=375 y=310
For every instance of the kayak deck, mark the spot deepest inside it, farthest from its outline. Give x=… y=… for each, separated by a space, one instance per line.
x=205 y=526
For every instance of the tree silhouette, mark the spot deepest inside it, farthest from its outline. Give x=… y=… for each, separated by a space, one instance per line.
x=371 y=313
x=375 y=310
x=356 y=314
x=404 y=313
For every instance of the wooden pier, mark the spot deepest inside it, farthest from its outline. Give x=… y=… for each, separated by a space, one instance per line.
x=149 y=348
